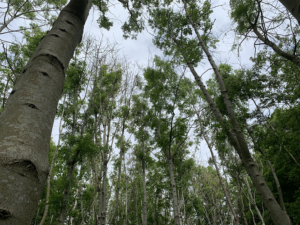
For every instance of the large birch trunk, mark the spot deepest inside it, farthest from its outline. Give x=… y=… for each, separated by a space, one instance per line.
x=27 y=119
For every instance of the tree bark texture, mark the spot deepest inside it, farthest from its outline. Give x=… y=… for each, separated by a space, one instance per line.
x=293 y=6
x=174 y=192
x=278 y=186
x=27 y=119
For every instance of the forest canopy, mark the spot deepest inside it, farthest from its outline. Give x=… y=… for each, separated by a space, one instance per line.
x=128 y=148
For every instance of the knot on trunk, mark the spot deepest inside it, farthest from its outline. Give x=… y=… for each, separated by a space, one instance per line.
x=4 y=214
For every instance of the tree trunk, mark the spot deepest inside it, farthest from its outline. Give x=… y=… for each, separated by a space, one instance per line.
x=7 y=22
x=144 y=222
x=63 y=210
x=102 y=204
x=122 y=152
x=88 y=208
x=293 y=58
x=240 y=196
x=174 y=192
x=118 y=181
x=103 y=211
x=237 y=138
x=126 y=195
x=4 y=94
x=74 y=207
x=27 y=119
x=293 y=6
x=74 y=158
x=227 y=195
x=100 y=190
x=278 y=216
x=71 y=164
x=253 y=202
x=278 y=186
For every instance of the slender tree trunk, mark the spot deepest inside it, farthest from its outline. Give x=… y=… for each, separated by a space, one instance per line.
x=5 y=24
x=293 y=58
x=126 y=195
x=74 y=157
x=100 y=204
x=237 y=138
x=4 y=93
x=252 y=200
x=118 y=185
x=144 y=187
x=88 y=208
x=227 y=195
x=253 y=218
x=293 y=6
x=199 y=195
x=136 y=203
x=27 y=119
x=63 y=210
x=214 y=216
x=37 y=213
x=74 y=207
x=174 y=192
x=70 y=165
x=81 y=205
x=122 y=152
x=102 y=213
x=242 y=201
